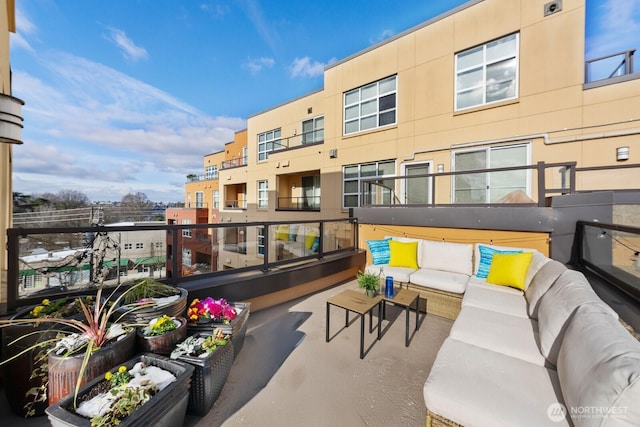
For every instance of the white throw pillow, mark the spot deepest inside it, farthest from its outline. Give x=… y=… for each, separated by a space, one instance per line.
x=599 y=370
x=447 y=256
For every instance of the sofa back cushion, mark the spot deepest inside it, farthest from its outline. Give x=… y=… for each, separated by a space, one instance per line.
x=558 y=304
x=542 y=281
x=446 y=256
x=599 y=368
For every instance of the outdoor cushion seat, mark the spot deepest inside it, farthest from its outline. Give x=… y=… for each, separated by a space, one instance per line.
x=510 y=335
x=442 y=280
x=399 y=274
x=474 y=386
x=496 y=299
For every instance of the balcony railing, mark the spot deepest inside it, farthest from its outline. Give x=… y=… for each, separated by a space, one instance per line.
x=234 y=162
x=50 y=262
x=618 y=64
x=235 y=204
x=613 y=252
x=299 y=203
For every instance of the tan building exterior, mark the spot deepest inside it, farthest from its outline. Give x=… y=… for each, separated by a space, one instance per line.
x=10 y=134
x=493 y=83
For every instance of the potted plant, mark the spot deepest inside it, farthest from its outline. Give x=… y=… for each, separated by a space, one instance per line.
x=161 y=335
x=148 y=299
x=149 y=389
x=209 y=313
x=212 y=358
x=83 y=347
x=370 y=282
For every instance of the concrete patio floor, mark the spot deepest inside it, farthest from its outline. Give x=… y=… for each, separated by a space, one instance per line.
x=287 y=375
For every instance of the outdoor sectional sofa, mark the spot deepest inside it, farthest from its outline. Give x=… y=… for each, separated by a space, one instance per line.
x=538 y=348
x=294 y=241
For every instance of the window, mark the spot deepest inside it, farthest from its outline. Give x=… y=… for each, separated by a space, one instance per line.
x=216 y=199
x=490 y=187
x=313 y=130
x=370 y=106
x=186 y=232
x=260 y=235
x=487 y=73
x=139 y=245
x=186 y=256
x=263 y=194
x=199 y=199
x=352 y=176
x=211 y=172
x=268 y=142
x=128 y=246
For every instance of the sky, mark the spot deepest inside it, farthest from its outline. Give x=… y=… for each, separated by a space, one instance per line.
x=127 y=96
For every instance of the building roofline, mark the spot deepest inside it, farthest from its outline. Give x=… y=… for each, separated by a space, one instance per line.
x=287 y=102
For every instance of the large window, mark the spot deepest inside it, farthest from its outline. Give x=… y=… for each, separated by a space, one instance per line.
x=263 y=194
x=260 y=237
x=370 y=106
x=487 y=73
x=186 y=232
x=313 y=130
x=268 y=142
x=199 y=199
x=216 y=199
x=490 y=187
x=351 y=179
x=211 y=172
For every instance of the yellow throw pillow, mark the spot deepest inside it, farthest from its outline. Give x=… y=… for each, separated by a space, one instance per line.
x=403 y=254
x=282 y=232
x=310 y=238
x=509 y=269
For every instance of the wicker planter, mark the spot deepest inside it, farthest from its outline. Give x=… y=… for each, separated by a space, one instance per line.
x=167 y=408
x=209 y=377
x=237 y=328
x=64 y=370
x=145 y=315
x=161 y=344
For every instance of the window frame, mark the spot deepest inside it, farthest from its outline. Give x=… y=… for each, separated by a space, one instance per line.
x=263 y=194
x=367 y=101
x=186 y=232
x=211 y=172
x=359 y=179
x=216 y=199
x=199 y=199
x=260 y=239
x=483 y=66
x=273 y=137
x=314 y=132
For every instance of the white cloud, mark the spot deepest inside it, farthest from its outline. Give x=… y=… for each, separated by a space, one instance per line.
x=127 y=46
x=385 y=34
x=24 y=27
x=255 y=65
x=91 y=127
x=263 y=28
x=305 y=68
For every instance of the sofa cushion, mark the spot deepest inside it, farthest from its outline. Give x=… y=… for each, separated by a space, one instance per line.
x=442 y=280
x=509 y=269
x=310 y=238
x=510 y=335
x=409 y=240
x=446 y=256
x=558 y=304
x=491 y=297
x=599 y=367
x=379 y=250
x=399 y=274
x=541 y=283
x=471 y=386
x=486 y=256
x=403 y=254
x=282 y=232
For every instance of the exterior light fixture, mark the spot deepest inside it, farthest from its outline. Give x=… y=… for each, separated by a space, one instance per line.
x=622 y=154
x=440 y=168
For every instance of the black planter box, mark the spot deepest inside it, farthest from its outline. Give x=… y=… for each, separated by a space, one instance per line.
x=237 y=328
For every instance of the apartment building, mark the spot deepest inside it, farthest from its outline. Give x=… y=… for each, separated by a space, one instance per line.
x=490 y=84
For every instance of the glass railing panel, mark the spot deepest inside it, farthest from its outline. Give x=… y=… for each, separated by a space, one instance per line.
x=295 y=240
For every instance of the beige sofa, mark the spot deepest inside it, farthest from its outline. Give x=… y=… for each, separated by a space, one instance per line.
x=553 y=355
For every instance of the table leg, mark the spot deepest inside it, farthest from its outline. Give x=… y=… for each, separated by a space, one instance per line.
x=406 y=327
x=417 y=312
x=362 y=336
x=380 y=319
x=346 y=317
x=327 y=329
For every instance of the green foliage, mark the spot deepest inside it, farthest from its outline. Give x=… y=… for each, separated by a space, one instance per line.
x=148 y=288
x=368 y=281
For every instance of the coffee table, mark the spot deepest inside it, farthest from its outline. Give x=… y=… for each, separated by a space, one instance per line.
x=405 y=298
x=360 y=304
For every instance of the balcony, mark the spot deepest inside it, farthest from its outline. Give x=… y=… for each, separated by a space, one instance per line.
x=609 y=69
x=235 y=162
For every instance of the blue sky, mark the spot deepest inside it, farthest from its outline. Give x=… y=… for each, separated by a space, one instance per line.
x=129 y=95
